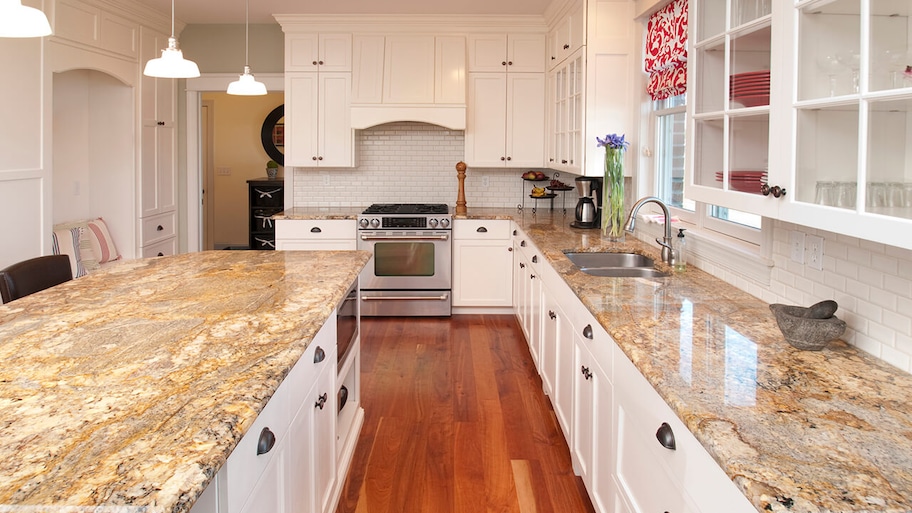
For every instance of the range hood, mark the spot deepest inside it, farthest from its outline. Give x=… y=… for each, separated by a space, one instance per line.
x=448 y=116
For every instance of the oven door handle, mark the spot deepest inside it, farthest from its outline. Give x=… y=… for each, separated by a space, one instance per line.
x=405 y=237
x=442 y=297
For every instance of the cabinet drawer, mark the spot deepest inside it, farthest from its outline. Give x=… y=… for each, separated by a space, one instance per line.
x=481 y=229
x=244 y=465
x=302 y=377
x=267 y=196
x=157 y=228
x=166 y=247
x=316 y=229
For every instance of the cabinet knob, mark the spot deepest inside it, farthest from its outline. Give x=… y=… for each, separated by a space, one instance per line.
x=666 y=436
x=566 y=46
x=509 y=63
x=563 y=161
x=531 y=276
x=510 y=248
x=482 y=229
x=587 y=331
x=504 y=63
x=320 y=157
x=314 y=63
x=314 y=157
x=319 y=355
x=503 y=158
x=316 y=229
x=321 y=401
x=775 y=190
x=522 y=265
x=586 y=372
x=266 y=441
x=552 y=315
x=509 y=158
x=159 y=228
x=553 y=58
x=321 y=63
x=161 y=254
x=161 y=123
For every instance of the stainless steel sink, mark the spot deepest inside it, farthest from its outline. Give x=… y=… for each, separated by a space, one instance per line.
x=615 y=265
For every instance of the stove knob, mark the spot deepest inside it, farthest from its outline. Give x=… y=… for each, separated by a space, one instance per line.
x=444 y=223
x=432 y=223
x=375 y=223
x=364 y=223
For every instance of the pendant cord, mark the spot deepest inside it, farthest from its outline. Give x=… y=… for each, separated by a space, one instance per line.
x=246 y=34
x=172 y=18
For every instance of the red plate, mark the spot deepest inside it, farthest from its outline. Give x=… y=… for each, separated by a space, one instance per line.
x=753 y=101
x=760 y=73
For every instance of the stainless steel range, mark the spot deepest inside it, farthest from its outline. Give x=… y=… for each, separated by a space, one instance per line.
x=411 y=271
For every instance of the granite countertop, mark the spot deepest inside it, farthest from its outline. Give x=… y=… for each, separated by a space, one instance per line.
x=304 y=213
x=797 y=431
x=132 y=385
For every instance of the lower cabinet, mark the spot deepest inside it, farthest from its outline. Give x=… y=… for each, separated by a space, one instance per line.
x=316 y=234
x=527 y=292
x=482 y=259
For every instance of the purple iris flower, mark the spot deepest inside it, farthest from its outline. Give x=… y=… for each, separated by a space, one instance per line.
x=613 y=141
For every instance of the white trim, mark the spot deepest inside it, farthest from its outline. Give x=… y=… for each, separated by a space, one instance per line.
x=207 y=82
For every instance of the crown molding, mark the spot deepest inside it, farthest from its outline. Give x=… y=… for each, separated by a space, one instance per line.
x=428 y=24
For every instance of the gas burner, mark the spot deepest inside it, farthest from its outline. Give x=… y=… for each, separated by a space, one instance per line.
x=407 y=208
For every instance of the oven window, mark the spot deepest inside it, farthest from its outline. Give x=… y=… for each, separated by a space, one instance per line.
x=404 y=259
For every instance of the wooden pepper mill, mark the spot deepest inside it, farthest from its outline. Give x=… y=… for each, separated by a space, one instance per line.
x=460 y=198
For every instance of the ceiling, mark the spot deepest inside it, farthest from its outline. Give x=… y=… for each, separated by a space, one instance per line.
x=261 y=11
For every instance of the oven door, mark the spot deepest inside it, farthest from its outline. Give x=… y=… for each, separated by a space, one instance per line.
x=407 y=260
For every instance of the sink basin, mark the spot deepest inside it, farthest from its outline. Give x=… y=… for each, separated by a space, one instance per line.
x=615 y=265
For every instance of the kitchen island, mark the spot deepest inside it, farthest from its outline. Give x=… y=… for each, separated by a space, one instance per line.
x=131 y=386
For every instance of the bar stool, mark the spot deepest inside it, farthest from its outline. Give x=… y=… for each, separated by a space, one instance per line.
x=32 y=275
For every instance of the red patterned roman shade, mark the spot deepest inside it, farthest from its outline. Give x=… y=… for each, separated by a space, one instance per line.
x=666 y=51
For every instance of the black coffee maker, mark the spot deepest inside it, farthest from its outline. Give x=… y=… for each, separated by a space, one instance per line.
x=589 y=206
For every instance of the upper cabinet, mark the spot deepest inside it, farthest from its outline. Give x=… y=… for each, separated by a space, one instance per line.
x=568 y=36
x=814 y=97
x=520 y=53
x=318 y=52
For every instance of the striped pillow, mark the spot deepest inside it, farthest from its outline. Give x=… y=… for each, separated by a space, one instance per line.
x=66 y=242
x=86 y=255
x=102 y=242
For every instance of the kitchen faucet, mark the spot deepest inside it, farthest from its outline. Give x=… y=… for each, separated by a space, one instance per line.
x=667 y=254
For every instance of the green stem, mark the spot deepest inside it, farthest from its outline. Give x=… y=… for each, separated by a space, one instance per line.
x=613 y=193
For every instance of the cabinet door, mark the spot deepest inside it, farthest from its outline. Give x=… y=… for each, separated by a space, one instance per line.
x=486 y=120
x=269 y=493
x=533 y=314
x=565 y=371
x=159 y=159
x=525 y=126
x=337 y=139
x=301 y=52
x=367 y=69
x=487 y=52
x=335 y=52
x=450 y=70
x=593 y=428
x=526 y=53
x=301 y=110
x=482 y=273
x=324 y=438
x=550 y=332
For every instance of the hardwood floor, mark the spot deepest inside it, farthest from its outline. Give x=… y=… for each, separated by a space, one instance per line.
x=456 y=421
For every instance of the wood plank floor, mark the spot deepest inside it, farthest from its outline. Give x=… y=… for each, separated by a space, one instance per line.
x=456 y=421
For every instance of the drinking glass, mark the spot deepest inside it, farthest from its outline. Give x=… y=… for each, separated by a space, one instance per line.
x=852 y=61
x=877 y=195
x=845 y=194
x=830 y=66
x=825 y=193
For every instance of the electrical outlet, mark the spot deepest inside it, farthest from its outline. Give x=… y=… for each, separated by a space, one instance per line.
x=326 y=179
x=223 y=171
x=796 y=246
x=485 y=181
x=815 y=252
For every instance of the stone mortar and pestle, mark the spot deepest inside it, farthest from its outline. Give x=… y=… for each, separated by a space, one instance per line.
x=809 y=328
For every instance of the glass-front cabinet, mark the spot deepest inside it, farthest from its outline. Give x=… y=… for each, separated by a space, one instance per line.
x=811 y=98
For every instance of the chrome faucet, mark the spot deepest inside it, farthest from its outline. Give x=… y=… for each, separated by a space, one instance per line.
x=667 y=253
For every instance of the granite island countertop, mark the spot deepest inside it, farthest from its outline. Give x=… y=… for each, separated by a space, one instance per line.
x=132 y=385
x=797 y=431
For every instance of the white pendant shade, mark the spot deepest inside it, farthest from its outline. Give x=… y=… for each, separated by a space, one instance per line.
x=247 y=85
x=171 y=64
x=17 y=20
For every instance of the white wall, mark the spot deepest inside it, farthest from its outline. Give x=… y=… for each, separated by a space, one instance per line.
x=413 y=162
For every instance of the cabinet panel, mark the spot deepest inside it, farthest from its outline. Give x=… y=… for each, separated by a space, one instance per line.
x=166 y=247
x=157 y=228
x=318 y=52
x=301 y=108
x=525 y=119
x=526 y=53
x=336 y=136
x=450 y=70
x=270 y=491
x=486 y=120
x=367 y=69
x=481 y=273
x=487 y=52
x=409 y=69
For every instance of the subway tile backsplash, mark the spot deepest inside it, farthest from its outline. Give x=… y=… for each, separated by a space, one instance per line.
x=407 y=162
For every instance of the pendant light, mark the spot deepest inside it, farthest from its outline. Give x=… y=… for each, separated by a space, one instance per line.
x=172 y=63
x=246 y=84
x=17 y=20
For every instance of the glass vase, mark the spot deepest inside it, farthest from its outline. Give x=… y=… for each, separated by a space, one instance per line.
x=613 y=195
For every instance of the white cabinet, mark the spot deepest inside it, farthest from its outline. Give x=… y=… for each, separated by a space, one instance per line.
x=158 y=147
x=567 y=102
x=318 y=52
x=507 y=52
x=568 y=35
x=482 y=263
x=316 y=234
x=527 y=294
x=318 y=128
x=506 y=120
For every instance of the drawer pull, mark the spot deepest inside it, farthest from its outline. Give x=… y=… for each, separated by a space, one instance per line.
x=159 y=228
x=316 y=229
x=319 y=355
x=482 y=229
x=566 y=46
x=161 y=254
x=534 y=259
x=514 y=233
x=587 y=331
x=552 y=315
x=522 y=243
x=666 y=436
x=321 y=401
x=266 y=441
x=586 y=372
